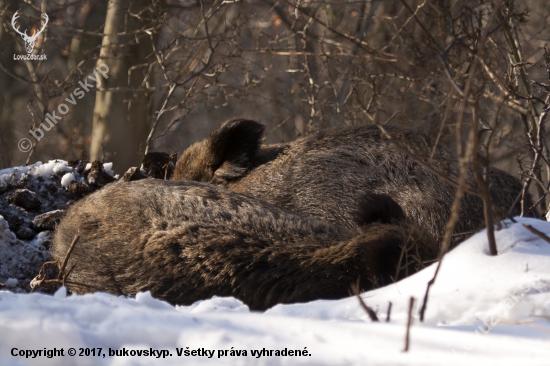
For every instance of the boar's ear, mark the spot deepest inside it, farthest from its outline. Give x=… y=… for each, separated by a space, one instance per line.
x=233 y=146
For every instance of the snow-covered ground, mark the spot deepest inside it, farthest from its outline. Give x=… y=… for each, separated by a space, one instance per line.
x=31 y=198
x=482 y=310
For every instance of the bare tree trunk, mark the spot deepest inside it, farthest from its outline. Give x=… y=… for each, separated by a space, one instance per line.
x=482 y=182
x=79 y=124
x=120 y=127
x=140 y=105
x=108 y=127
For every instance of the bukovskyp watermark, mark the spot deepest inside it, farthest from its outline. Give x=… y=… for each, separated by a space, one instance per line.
x=29 y=40
x=493 y=319
x=25 y=145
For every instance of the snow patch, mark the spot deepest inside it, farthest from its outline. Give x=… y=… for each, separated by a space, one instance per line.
x=6 y=236
x=146 y=299
x=67 y=179
x=11 y=282
x=108 y=167
x=216 y=304
x=61 y=293
x=42 y=238
x=23 y=242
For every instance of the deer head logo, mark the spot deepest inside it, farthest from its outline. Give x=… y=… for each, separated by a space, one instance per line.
x=29 y=40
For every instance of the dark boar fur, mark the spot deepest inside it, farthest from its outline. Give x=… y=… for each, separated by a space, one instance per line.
x=186 y=241
x=327 y=175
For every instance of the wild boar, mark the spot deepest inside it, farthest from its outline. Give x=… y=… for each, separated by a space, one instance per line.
x=327 y=175
x=187 y=241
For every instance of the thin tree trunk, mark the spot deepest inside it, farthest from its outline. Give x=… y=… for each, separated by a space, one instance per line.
x=120 y=127
x=79 y=123
x=108 y=126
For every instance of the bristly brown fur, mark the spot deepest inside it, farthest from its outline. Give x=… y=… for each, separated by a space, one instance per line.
x=335 y=173
x=187 y=241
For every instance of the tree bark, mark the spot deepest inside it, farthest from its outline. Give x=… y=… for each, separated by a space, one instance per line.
x=109 y=121
x=121 y=118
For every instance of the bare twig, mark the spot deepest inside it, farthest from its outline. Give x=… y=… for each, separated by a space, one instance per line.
x=540 y=234
x=41 y=280
x=409 y=322
x=464 y=154
x=537 y=145
x=483 y=183
x=368 y=310
x=71 y=248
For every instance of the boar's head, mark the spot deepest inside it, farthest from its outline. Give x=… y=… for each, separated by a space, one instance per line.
x=225 y=155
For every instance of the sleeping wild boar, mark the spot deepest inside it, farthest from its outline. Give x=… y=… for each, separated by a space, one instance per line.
x=332 y=174
x=187 y=241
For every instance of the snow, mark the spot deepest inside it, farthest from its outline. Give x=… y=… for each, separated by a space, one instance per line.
x=61 y=293
x=46 y=170
x=108 y=167
x=60 y=167
x=6 y=235
x=11 y=282
x=38 y=169
x=23 y=244
x=18 y=260
x=67 y=179
x=42 y=238
x=481 y=310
